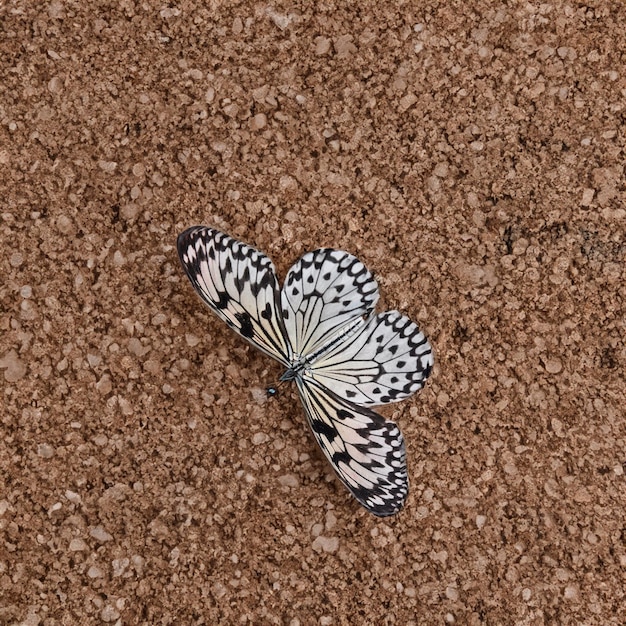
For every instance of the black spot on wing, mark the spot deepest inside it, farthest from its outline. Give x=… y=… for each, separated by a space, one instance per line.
x=322 y=428
x=266 y=313
x=341 y=457
x=223 y=301
x=246 y=328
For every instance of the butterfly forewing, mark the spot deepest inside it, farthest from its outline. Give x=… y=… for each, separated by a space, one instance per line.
x=324 y=291
x=387 y=360
x=239 y=284
x=366 y=451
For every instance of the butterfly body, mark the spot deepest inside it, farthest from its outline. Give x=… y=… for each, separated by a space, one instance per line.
x=342 y=356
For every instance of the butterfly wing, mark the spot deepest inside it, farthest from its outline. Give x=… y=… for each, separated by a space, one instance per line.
x=387 y=360
x=239 y=284
x=366 y=451
x=324 y=291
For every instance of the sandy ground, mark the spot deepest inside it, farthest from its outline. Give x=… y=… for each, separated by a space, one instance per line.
x=472 y=157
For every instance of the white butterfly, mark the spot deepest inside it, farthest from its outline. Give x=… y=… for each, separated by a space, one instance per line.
x=342 y=356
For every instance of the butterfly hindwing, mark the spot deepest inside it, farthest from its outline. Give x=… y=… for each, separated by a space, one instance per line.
x=324 y=291
x=239 y=284
x=366 y=451
x=387 y=360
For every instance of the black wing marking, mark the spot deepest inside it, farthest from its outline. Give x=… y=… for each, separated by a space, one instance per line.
x=239 y=284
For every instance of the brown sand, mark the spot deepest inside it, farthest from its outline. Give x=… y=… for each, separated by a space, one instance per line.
x=473 y=158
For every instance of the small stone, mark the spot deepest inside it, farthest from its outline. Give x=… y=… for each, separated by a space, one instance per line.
x=237 y=26
x=259 y=438
x=26 y=291
x=129 y=211
x=120 y=566
x=109 y=613
x=101 y=440
x=107 y=166
x=587 y=198
x=326 y=544
x=158 y=319
x=45 y=451
x=344 y=45
x=192 y=340
x=406 y=102
x=78 y=545
x=231 y=110
x=322 y=46
x=55 y=512
x=553 y=366
x=99 y=534
x=480 y=521
x=72 y=496
x=219 y=590
x=452 y=593
x=137 y=348
x=331 y=520
x=56 y=10
x=16 y=259
x=125 y=406
x=441 y=170
x=288 y=480
x=258 y=122
x=95 y=572
x=104 y=385
x=582 y=495
x=14 y=368
x=55 y=85
x=195 y=74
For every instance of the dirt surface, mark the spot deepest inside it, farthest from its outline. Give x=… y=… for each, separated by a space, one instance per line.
x=471 y=157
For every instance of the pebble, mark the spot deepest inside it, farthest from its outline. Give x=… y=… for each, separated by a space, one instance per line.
x=78 y=545
x=258 y=122
x=99 y=534
x=259 y=438
x=326 y=544
x=109 y=613
x=14 y=368
x=104 y=385
x=288 y=480
x=95 y=572
x=45 y=451
x=553 y=366
x=322 y=46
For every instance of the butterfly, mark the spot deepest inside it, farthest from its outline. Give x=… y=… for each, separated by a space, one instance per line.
x=342 y=356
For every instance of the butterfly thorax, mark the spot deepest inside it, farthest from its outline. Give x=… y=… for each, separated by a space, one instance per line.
x=298 y=365
x=301 y=363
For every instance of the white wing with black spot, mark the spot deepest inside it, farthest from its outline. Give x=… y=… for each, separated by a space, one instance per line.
x=239 y=284
x=324 y=292
x=387 y=360
x=366 y=451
